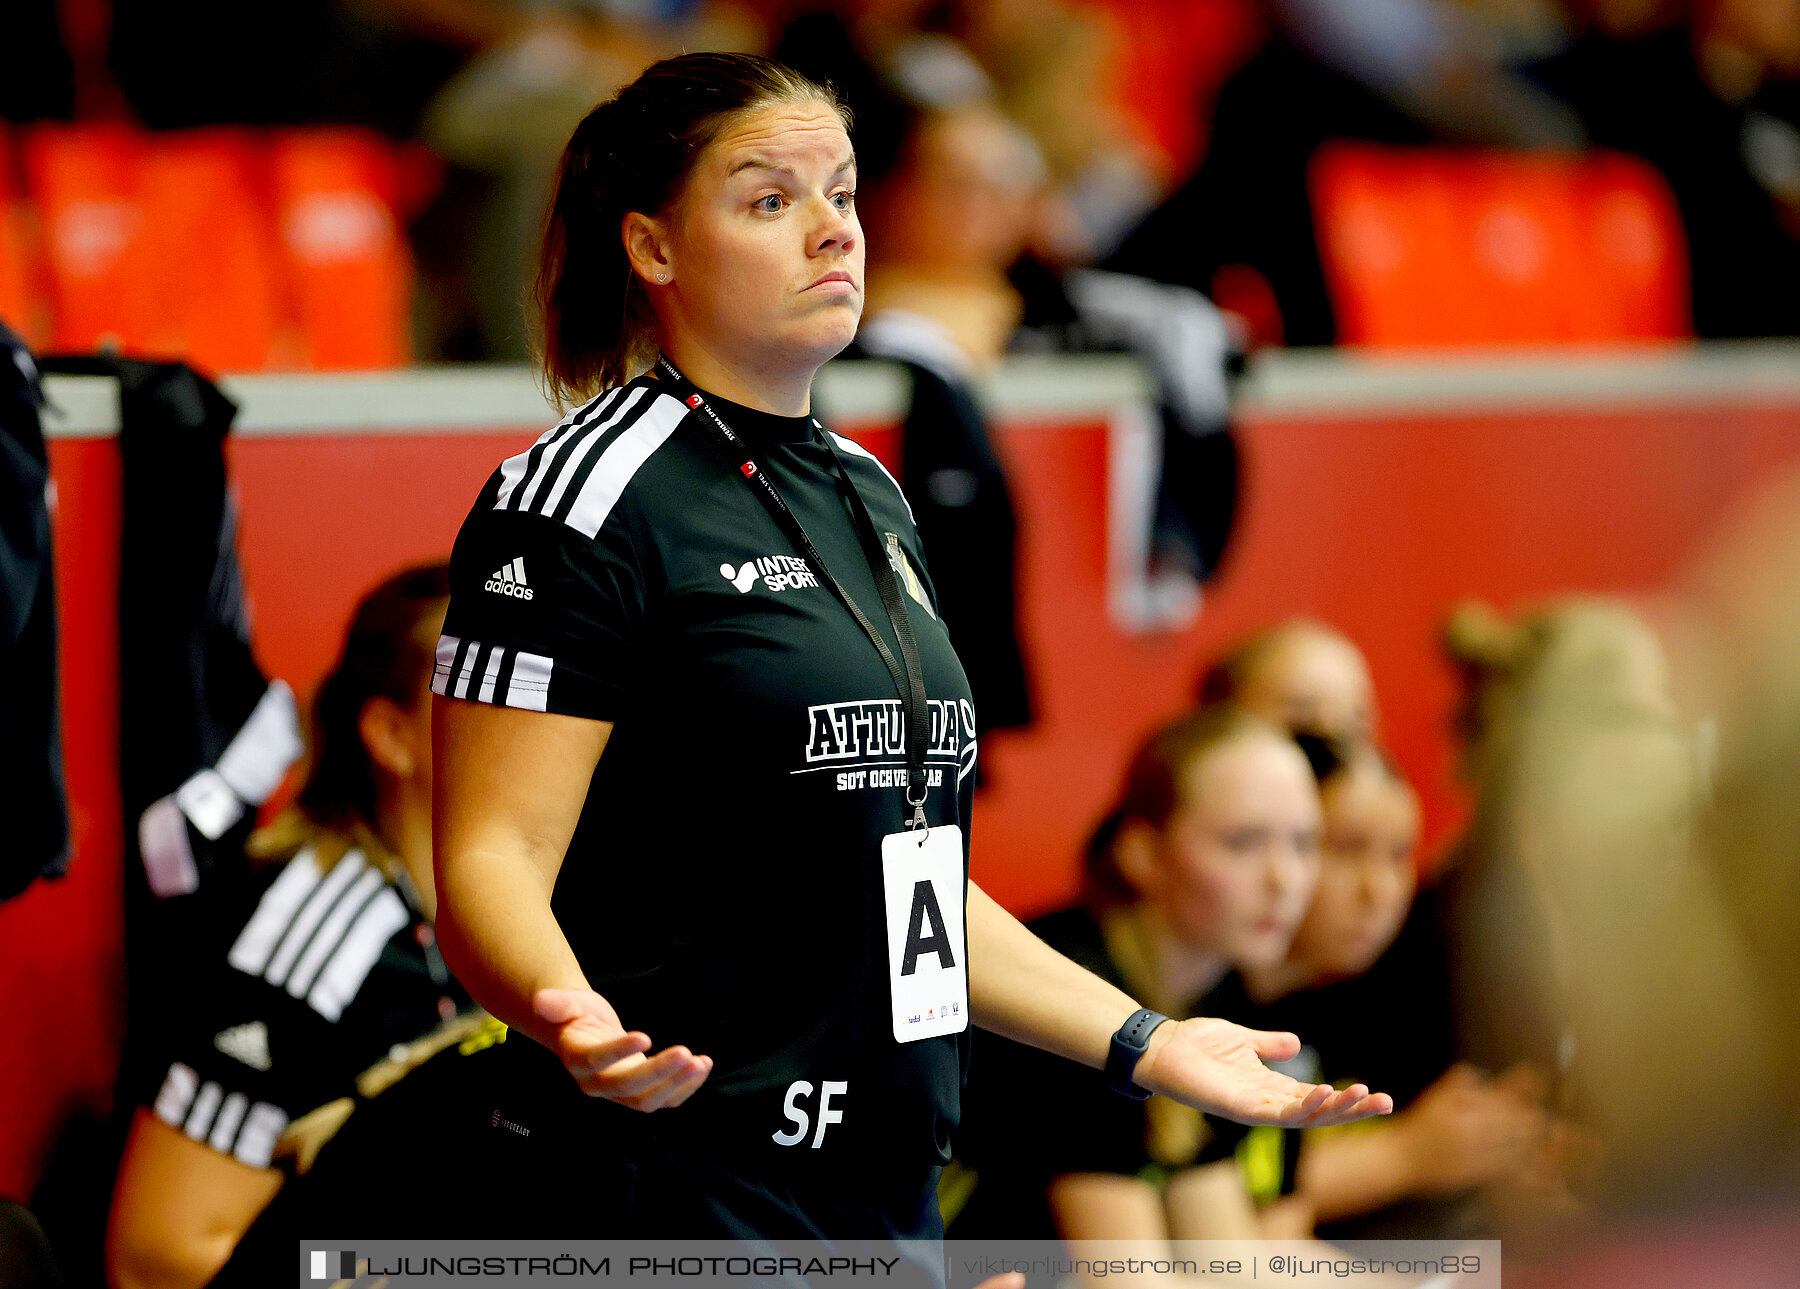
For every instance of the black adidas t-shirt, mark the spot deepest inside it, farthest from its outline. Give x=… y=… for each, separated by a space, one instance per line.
x=723 y=888
x=321 y=970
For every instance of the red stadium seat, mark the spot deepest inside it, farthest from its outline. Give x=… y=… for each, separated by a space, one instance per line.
x=21 y=298
x=84 y=180
x=1633 y=240
x=343 y=247
x=1434 y=248
x=1386 y=237
x=210 y=238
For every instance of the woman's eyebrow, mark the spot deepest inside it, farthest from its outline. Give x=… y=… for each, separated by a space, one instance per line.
x=764 y=163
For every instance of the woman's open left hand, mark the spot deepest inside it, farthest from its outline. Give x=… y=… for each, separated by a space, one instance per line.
x=1218 y=1067
x=608 y=1062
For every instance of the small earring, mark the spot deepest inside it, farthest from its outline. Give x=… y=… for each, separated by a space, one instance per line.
x=662 y=277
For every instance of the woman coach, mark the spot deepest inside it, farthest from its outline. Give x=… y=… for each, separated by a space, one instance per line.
x=768 y=867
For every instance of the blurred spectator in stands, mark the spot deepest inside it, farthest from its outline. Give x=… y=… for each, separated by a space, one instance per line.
x=1301 y=675
x=1384 y=71
x=943 y=225
x=531 y=70
x=1050 y=64
x=185 y=63
x=1045 y=64
x=1454 y=1129
x=1714 y=103
x=493 y=86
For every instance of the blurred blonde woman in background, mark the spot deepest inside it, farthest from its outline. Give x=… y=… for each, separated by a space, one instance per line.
x=1207 y=864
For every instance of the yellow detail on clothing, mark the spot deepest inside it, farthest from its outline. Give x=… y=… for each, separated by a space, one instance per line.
x=1260 y=1160
x=490 y=1032
x=956 y=1183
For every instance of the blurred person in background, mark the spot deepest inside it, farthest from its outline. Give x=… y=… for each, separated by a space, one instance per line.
x=325 y=960
x=492 y=87
x=1576 y=659
x=1300 y=675
x=939 y=303
x=1206 y=866
x=1401 y=72
x=529 y=72
x=1454 y=1129
x=934 y=109
x=1042 y=64
x=1652 y=833
x=1707 y=91
x=1049 y=64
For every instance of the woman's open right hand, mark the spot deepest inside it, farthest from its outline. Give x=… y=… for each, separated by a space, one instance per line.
x=606 y=1061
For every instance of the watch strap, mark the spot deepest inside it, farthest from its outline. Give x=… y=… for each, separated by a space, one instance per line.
x=1127 y=1048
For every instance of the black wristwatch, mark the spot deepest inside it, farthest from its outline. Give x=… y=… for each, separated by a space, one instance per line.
x=1128 y=1047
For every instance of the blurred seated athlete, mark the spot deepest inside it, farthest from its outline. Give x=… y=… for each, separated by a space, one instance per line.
x=325 y=960
x=1301 y=675
x=1208 y=863
x=1456 y=1128
x=425 y=1115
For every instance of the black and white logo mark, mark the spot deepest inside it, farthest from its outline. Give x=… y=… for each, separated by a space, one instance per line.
x=778 y=573
x=509 y=579
x=248 y=1043
x=743 y=578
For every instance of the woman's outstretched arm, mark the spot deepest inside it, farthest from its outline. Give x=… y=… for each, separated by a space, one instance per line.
x=508 y=790
x=1023 y=989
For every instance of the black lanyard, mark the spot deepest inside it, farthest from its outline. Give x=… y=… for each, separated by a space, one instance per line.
x=909 y=682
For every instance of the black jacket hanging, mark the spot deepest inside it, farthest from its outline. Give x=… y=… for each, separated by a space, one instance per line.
x=31 y=775
x=963 y=508
x=204 y=737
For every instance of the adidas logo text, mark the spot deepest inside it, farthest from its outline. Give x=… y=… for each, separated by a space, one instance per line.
x=509 y=579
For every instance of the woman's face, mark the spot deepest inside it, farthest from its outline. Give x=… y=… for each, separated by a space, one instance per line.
x=1238 y=859
x=1366 y=873
x=763 y=249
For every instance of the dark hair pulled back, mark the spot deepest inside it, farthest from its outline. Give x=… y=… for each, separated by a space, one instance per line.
x=634 y=152
x=383 y=657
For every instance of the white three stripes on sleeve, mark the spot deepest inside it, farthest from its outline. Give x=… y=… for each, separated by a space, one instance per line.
x=639 y=420
x=318 y=934
x=514 y=468
x=527 y=684
x=623 y=457
x=230 y=1124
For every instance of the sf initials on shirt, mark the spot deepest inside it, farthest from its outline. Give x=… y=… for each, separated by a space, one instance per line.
x=798 y=1117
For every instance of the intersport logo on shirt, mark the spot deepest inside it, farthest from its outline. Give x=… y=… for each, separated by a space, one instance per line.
x=778 y=573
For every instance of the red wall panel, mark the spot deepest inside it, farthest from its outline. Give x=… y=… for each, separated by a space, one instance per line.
x=1376 y=523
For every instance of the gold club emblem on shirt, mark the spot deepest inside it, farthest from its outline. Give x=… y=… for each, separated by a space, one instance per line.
x=909 y=577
